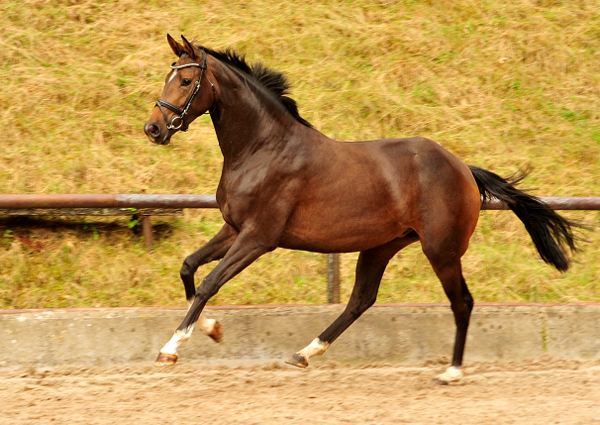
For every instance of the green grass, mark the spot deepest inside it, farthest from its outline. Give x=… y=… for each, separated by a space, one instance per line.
x=500 y=84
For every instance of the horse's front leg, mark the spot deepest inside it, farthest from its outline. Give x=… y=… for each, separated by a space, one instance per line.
x=247 y=247
x=214 y=250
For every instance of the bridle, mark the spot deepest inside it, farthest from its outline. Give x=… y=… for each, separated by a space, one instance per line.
x=178 y=122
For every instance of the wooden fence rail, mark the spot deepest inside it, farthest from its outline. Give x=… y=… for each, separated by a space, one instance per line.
x=210 y=201
x=146 y=205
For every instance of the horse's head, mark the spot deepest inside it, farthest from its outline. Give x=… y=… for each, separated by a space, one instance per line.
x=187 y=94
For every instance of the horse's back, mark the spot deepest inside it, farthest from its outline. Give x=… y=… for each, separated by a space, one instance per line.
x=368 y=193
x=423 y=170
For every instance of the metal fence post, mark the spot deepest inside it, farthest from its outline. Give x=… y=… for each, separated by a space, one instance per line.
x=333 y=279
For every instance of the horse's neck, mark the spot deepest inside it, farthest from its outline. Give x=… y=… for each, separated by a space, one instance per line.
x=247 y=120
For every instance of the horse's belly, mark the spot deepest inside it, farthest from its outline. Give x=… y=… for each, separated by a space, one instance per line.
x=327 y=232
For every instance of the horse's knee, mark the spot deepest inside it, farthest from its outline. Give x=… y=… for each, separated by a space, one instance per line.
x=206 y=290
x=186 y=269
x=186 y=273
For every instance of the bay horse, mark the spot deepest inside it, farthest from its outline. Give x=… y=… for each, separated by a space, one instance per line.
x=284 y=184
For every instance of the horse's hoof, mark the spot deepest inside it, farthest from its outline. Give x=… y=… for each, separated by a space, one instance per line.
x=165 y=359
x=298 y=361
x=438 y=381
x=452 y=374
x=217 y=332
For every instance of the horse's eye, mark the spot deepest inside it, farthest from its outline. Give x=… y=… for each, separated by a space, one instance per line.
x=186 y=82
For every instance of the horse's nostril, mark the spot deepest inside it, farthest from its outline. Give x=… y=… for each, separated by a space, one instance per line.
x=152 y=130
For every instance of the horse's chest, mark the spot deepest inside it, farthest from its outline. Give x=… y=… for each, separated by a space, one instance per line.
x=227 y=209
x=244 y=194
x=235 y=206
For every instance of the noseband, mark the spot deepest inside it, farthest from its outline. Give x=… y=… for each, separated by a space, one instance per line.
x=178 y=122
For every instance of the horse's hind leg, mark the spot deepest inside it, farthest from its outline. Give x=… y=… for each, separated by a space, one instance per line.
x=369 y=270
x=449 y=271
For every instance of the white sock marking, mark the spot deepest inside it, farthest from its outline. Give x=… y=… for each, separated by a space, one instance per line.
x=452 y=374
x=178 y=338
x=315 y=348
x=206 y=325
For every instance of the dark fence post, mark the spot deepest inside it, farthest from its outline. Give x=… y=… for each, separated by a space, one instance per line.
x=147 y=232
x=333 y=279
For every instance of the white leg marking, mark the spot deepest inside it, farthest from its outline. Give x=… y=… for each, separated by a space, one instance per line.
x=452 y=374
x=173 y=75
x=206 y=325
x=178 y=338
x=315 y=348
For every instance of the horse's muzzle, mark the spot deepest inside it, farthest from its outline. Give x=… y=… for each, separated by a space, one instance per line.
x=154 y=133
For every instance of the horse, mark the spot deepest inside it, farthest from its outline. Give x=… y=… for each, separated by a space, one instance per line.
x=285 y=184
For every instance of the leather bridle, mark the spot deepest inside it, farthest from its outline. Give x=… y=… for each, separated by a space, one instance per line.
x=178 y=122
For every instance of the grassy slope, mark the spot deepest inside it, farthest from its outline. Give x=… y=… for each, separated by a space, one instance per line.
x=500 y=84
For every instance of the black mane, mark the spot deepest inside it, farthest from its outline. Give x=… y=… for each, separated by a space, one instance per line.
x=274 y=82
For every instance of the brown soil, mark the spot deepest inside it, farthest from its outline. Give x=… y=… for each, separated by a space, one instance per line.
x=544 y=392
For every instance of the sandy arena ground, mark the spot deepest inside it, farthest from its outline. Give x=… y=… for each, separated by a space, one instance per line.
x=542 y=392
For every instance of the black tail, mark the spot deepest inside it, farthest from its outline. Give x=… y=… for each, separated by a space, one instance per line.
x=548 y=230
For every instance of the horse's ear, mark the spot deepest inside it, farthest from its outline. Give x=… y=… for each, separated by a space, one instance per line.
x=175 y=46
x=189 y=49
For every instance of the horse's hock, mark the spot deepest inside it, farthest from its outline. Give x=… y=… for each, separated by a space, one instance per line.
x=386 y=333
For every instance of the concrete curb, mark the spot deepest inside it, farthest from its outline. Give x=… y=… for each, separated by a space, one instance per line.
x=388 y=333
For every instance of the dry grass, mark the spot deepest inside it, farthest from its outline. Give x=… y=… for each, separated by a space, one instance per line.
x=500 y=84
